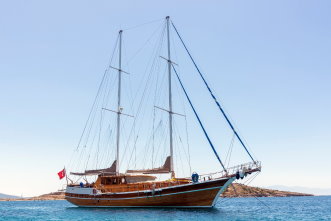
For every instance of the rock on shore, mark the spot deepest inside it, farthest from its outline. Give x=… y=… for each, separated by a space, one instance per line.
x=241 y=190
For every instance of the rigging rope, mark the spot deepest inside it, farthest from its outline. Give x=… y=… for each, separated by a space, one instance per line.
x=188 y=146
x=143 y=24
x=211 y=93
x=228 y=155
x=196 y=115
x=154 y=64
x=88 y=125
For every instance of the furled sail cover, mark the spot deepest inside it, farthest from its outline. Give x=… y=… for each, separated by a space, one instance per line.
x=164 y=169
x=110 y=170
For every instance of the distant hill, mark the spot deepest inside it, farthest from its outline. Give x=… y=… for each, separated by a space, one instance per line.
x=49 y=196
x=315 y=191
x=5 y=196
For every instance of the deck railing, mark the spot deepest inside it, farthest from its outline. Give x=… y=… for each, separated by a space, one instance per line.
x=245 y=168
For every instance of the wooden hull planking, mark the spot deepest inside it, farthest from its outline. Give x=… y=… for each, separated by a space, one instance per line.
x=202 y=194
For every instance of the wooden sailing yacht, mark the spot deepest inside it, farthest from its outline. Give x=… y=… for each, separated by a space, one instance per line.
x=139 y=187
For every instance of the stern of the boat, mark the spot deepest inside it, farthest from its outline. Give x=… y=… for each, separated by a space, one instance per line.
x=76 y=191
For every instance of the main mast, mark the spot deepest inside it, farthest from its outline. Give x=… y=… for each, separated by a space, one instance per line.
x=170 y=104
x=119 y=102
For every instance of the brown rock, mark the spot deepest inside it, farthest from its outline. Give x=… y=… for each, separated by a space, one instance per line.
x=241 y=190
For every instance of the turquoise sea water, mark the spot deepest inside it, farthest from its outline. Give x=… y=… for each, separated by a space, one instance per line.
x=287 y=208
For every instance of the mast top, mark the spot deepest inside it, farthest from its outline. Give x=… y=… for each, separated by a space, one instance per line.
x=120 y=31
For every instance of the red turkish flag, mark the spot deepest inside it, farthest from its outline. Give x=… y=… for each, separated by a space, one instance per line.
x=62 y=173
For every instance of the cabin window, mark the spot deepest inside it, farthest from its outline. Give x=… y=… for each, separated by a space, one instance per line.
x=106 y=181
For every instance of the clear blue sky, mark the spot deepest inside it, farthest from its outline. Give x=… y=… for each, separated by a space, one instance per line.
x=268 y=61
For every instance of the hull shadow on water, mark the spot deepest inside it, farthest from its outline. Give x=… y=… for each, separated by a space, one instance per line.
x=158 y=210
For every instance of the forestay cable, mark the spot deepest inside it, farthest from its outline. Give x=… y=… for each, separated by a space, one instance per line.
x=196 y=115
x=211 y=93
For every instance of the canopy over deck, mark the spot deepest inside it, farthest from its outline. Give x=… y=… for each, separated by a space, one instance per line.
x=110 y=170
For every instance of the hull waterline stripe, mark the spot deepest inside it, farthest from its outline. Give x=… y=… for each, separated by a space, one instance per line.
x=207 y=207
x=144 y=196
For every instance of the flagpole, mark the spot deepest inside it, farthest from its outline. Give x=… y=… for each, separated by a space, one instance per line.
x=65 y=173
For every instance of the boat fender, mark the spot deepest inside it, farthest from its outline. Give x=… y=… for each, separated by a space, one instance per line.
x=153 y=189
x=237 y=175
x=242 y=174
x=81 y=184
x=195 y=177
